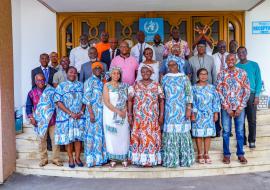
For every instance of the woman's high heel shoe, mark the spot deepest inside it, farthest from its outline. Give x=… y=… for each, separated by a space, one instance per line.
x=80 y=164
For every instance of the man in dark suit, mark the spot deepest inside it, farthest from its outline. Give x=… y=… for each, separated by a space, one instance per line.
x=46 y=70
x=86 y=69
x=108 y=55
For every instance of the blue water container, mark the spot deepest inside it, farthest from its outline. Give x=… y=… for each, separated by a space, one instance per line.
x=18 y=120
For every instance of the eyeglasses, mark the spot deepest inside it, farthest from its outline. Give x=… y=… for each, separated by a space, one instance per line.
x=40 y=81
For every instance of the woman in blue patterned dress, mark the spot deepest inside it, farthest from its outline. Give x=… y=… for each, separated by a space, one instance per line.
x=206 y=106
x=177 y=143
x=70 y=120
x=94 y=142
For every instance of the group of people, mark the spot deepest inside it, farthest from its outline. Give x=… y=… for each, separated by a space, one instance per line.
x=143 y=105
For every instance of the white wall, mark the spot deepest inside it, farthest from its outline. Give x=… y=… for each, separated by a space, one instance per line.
x=34 y=32
x=258 y=45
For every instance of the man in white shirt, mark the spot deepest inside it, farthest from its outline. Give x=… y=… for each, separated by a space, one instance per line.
x=79 y=55
x=137 y=50
x=220 y=56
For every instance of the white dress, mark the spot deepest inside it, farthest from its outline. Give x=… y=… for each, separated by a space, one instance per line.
x=154 y=76
x=116 y=130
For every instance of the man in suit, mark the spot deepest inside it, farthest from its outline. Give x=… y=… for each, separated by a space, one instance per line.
x=86 y=69
x=108 y=55
x=44 y=69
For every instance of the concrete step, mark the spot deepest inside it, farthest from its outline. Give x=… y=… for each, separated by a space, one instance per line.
x=25 y=166
x=214 y=154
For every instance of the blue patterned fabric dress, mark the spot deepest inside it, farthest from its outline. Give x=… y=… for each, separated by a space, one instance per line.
x=94 y=141
x=205 y=103
x=176 y=140
x=67 y=129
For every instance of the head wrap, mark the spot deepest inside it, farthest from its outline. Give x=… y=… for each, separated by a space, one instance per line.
x=97 y=64
x=148 y=67
x=178 y=60
x=114 y=69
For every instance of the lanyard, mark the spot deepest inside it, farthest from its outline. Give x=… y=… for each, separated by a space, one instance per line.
x=201 y=64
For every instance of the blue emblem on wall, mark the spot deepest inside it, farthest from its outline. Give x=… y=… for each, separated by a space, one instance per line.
x=151 y=27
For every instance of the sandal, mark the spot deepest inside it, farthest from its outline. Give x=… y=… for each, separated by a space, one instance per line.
x=207 y=159
x=200 y=159
x=112 y=164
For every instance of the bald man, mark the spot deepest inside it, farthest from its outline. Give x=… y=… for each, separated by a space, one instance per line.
x=127 y=63
x=108 y=55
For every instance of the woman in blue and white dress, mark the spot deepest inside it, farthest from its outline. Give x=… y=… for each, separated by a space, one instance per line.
x=177 y=144
x=206 y=106
x=94 y=141
x=70 y=120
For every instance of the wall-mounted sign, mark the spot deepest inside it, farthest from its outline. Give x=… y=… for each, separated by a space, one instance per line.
x=151 y=27
x=261 y=27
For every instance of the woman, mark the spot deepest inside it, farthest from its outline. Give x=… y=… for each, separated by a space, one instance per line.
x=145 y=115
x=70 y=118
x=206 y=106
x=148 y=53
x=116 y=127
x=94 y=142
x=177 y=143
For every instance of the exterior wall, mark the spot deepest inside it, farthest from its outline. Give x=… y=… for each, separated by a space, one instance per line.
x=7 y=131
x=258 y=45
x=34 y=32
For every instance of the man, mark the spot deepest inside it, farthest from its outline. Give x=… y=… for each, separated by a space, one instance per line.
x=54 y=61
x=233 y=46
x=127 y=63
x=103 y=45
x=37 y=105
x=234 y=91
x=86 y=69
x=61 y=75
x=185 y=51
x=220 y=63
x=184 y=66
x=137 y=50
x=220 y=56
x=202 y=60
x=44 y=69
x=108 y=55
x=79 y=55
x=158 y=48
x=254 y=75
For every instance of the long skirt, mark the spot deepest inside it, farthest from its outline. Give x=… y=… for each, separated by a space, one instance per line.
x=177 y=150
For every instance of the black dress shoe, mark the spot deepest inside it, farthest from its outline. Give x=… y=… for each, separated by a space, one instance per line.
x=218 y=135
x=252 y=145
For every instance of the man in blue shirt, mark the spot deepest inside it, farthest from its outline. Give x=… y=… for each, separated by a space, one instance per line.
x=254 y=75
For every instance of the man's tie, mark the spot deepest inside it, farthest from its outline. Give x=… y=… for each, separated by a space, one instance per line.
x=46 y=73
x=222 y=62
x=141 y=54
x=113 y=51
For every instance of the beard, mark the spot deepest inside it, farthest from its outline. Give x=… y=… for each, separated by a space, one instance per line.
x=84 y=46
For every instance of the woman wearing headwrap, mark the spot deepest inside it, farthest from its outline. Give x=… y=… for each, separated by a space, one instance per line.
x=148 y=54
x=176 y=140
x=116 y=127
x=94 y=141
x=145 y=116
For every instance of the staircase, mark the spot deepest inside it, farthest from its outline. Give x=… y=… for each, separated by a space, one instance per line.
x=258 y=159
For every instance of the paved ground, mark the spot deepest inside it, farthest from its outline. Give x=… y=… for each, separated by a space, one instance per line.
x=257 y=181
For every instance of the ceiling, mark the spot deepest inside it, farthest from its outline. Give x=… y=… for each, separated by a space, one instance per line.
x=148 y=5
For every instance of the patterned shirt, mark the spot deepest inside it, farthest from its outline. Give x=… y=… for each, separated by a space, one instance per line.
x=185 y=51
x=233 y=88
x=159 y=50
x=32 y=102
